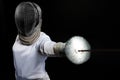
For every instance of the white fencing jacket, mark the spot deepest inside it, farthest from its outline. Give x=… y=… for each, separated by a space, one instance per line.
x=29 y=60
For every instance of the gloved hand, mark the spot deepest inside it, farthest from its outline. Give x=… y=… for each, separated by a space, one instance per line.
x=59 y=48
x=72 y=49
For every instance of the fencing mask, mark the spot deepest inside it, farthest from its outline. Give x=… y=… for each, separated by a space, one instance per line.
x=28 y=21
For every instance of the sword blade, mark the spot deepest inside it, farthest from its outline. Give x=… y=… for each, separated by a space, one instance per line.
x=100 y=50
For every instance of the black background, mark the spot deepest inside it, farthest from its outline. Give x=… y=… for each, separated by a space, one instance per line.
x=97 y=21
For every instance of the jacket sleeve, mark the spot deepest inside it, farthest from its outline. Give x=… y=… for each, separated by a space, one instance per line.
x=51 y=48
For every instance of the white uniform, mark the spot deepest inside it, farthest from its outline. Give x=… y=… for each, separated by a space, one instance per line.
x=29 y=60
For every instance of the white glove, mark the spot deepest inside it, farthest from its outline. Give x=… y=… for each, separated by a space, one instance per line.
x=59 y=48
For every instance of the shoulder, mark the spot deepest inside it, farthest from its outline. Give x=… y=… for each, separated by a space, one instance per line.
x=16 y=43
x=44 y=36
x=17 y=39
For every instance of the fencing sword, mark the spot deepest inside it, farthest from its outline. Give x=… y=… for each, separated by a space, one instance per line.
x=78 y=50
x=100 y=50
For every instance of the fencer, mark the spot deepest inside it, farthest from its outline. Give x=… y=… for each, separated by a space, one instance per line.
x=32 y=46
